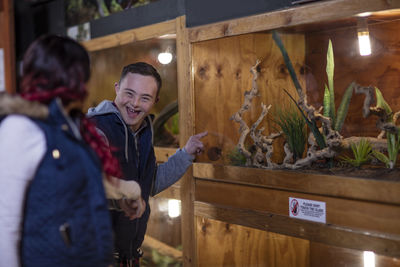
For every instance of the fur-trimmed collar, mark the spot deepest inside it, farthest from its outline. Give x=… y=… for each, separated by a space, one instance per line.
x=14 y=104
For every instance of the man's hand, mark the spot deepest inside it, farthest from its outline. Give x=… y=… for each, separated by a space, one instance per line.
x=194 y=146
x=132 y=208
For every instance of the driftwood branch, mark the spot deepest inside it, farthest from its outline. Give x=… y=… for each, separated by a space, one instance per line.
x=335 y=143
x=244 y=129
x=384 y=122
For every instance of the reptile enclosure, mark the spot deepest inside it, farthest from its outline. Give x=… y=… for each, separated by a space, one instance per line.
x=241 y=214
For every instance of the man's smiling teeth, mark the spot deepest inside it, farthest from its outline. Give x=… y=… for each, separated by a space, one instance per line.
x=132 y=111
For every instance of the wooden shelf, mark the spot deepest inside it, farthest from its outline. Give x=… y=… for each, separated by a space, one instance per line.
x=361 y=214
x=296 y=181
x=311 y=13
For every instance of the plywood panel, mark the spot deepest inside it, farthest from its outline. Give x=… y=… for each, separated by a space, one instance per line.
x=221 y=71
x=186 y=129
x=380 y=69
x=314 y=12
x=341 y=212
x=134 y=35
x=161 y=226
x=300 y=181
x=224 y=244
x=331 y=256
x=316 y=232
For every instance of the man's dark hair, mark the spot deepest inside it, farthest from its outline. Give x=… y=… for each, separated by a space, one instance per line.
x=142 y=68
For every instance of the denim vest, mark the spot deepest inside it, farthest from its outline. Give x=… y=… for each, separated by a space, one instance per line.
x=138 y=162
x=66 y=217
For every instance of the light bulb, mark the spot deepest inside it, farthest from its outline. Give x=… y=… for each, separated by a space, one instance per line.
x=369 y=259
x=364 y=42
x=165 y=58
x=174 y=208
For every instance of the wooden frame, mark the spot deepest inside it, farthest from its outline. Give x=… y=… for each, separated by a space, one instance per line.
x=320 y=11
x=183 y=189
x=134 y=35
x=197 y=197
x=259 y=198
x=7 y=42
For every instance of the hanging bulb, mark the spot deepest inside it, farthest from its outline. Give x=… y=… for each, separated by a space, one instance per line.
x=165 y=57
x=364 y=42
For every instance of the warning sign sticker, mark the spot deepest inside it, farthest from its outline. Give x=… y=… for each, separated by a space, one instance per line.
x=307 y=209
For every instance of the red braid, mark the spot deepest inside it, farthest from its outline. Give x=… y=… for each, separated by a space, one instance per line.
x=87 y=129
x=98 y=144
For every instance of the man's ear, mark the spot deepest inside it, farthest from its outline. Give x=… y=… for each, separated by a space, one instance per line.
x=116 y=87
x=157 y=98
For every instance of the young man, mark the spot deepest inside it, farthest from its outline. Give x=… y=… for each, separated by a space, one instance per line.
x=127 y=127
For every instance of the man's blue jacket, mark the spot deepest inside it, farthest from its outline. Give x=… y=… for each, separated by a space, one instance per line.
x=135 y=153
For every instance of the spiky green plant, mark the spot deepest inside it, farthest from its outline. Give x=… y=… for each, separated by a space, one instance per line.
x=236 y=158
x=329 y=94
x=361 y=152
x=293 y=127
x=392 y=139
x=312 y=124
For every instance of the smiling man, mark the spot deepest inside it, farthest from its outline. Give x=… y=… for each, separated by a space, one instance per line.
x=127 y=127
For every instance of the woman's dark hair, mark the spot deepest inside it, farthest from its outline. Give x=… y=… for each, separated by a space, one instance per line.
x=55 y=66
x=143 y=69
x=59 y=67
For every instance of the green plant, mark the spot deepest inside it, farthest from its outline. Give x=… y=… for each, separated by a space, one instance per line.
x=172 y=125
x=293 y=127
x=392 y=139
x=236 y=158
x=361 y=152
x=312 y=124
x=164 y=260
x=329 y=94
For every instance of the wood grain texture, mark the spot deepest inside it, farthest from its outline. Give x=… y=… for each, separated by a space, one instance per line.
x=162 y=227
x=367 y=216
x=138 y=34
x=324 y=233
x=302 y=182
x=226 y=244
x=7 y=43
x=310 y=13
x=186 y=129
x=221 y=70
x=174 y=192
x=381 y=69
x=163 y=153
x=162 y=248
x=332 y=256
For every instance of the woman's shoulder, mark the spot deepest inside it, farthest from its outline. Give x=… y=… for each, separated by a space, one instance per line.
x=15 y=122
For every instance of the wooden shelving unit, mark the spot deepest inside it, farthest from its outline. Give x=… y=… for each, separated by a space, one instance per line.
x=241 y=214
x=237 y=216
x=361 y=214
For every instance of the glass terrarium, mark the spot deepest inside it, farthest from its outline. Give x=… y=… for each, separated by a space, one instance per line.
x=331 y=102
x=306 y=111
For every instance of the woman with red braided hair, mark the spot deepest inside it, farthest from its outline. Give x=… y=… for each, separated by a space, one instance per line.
x=53 y=207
